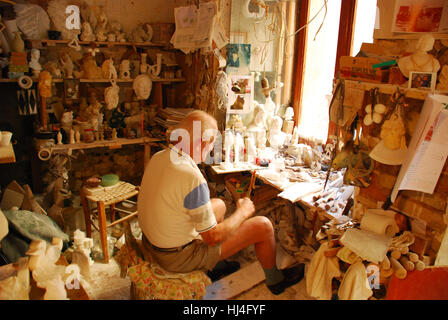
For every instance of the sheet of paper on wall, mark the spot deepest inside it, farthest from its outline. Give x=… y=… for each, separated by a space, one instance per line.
x=412 y=16
x=219 y=35
x=194 y=27
x=428 y=149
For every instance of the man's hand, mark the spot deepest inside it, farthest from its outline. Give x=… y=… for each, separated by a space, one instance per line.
x=246 y=206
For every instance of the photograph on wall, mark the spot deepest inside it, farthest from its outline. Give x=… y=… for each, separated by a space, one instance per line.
x=241 y=94
x=423 y=80
x=238 y=58
x=420 y=16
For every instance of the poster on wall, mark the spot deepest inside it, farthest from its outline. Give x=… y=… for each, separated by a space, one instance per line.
x=238 y=58
x=241 y=94
x=414 y=16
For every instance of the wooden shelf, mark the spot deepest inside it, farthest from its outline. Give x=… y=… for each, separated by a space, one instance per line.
x=51 y=43
x=112 y=144
x=392 y=88
x=166 y=80
x=7 y=154
x=129 y=80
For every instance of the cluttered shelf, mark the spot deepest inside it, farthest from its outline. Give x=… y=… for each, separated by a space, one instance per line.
x=49 y=43
x=115 y=143
x=386 y=88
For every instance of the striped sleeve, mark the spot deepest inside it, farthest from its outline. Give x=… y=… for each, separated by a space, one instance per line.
x=199 y=207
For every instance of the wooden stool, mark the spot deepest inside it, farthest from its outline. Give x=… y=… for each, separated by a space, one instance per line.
x=107 y=196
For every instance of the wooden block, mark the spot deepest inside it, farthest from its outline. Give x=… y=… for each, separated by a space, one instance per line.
x=395 y=254
x=399 y=271
x=236 y=283
x=407 y=264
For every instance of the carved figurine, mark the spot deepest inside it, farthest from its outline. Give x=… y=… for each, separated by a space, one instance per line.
x=87 y=32
x=420 y=60
x=143 y=64
x=142 y=87
x=111 y=96
x=34 y=63
x=67 y=65
x=108 y=69
x=125 y=69
x=154 y=70
x=101 y=30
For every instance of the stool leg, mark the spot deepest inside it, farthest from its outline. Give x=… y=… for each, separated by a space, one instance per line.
x=112 y=212
x=86 y=208
x=103 y=230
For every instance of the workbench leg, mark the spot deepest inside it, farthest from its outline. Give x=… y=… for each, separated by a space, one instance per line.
x=86 y=208
x=103 y=229
x=147 y=155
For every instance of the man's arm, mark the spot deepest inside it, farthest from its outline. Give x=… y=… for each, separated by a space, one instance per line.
x=219 y=233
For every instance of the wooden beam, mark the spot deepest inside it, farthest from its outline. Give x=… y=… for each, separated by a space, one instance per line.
x=346 y=31
x=299 y=58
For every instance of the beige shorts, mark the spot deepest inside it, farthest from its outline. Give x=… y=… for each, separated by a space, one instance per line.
x=196 y=256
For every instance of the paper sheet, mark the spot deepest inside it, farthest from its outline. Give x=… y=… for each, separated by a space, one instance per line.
x=197 y=28
x=299 y=190
x=428 y=149
x=420 y=16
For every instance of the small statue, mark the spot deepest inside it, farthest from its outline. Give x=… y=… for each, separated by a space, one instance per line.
x=114 y=134
x=72 y=136
x=154 y=70
x=67 y=65
x=101 y=30
x=143 y=64
x=34 y=63
x=277 y=137
x=420 y=60
x=77 y=136
x=125 y=69
x=142 y=87
x=67 y=121
x=111 y=96
x=108 y=69
x=59 y=136
x=87 y=32
x=112 y=37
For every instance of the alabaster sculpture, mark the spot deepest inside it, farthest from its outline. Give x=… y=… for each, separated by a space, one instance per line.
x=44 y=84
x=393 y=132
x=67 y=65
x=87 y=32
x=142 y=87
x=420 y=60
x=125 y=69
x=276 y=136
x=108 y=69
x=111 y=96
x=154 y=70
x=34 y=63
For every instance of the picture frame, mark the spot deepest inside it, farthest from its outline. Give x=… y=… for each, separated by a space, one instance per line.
x=241 y=94
x=422 y=80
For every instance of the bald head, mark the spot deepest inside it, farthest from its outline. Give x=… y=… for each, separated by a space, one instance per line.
x=196 y=134
x=206 y=121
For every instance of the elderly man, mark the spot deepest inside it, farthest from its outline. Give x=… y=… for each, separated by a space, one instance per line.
x=185 y=230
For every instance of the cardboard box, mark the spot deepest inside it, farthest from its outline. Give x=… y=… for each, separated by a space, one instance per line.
x=360 y=69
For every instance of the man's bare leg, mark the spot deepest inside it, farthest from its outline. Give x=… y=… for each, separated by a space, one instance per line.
x=258 y=231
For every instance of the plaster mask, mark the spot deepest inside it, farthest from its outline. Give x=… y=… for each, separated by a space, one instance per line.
x=142 y=86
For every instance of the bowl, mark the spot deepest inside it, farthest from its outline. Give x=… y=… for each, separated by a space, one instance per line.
x=93 y=182
x=109 y=180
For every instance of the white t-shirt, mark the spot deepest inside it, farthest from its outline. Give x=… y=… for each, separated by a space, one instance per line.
x=174 y=200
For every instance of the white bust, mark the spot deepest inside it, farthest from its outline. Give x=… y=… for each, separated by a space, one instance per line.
x=259 y=122
x=142 y=87
x=289 y=114
x=420 y=60
x=34 y=63
x=277 y=137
